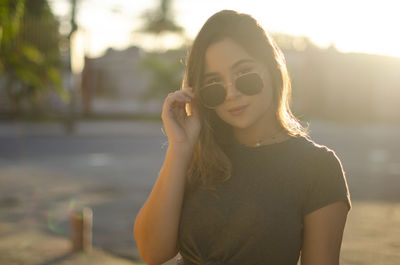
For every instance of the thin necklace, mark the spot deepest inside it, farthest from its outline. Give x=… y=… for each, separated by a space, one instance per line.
x=272 y=139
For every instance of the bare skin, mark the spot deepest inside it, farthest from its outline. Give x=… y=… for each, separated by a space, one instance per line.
x=156 y=225
x=224 y=61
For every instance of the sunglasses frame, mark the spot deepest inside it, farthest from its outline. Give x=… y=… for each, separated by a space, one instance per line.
x=234 y=82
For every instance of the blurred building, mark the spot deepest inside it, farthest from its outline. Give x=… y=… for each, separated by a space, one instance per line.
x=326 y=84
x=345 y=87
x=114 y=83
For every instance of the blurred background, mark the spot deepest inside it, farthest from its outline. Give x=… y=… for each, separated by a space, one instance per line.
x=82 y=84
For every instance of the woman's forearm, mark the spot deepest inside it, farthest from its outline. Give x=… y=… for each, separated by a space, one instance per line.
x=156 y=225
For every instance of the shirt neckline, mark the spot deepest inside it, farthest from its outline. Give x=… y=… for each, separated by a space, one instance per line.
x=236 y=143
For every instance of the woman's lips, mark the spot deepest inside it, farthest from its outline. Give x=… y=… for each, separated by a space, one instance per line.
x=237 y=110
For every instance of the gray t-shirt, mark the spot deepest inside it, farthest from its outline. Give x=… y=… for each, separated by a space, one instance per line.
x=257 y=215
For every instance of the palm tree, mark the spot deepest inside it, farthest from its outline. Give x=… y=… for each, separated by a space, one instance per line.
x=160 y=21
x=165 y=66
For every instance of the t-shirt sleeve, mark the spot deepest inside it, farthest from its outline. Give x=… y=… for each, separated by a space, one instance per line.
x=326 y=182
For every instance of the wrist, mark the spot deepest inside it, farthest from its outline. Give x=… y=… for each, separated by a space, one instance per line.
x=180 y=149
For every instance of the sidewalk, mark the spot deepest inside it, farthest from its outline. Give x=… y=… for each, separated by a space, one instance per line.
x=30 y=231
x=32 y=199
x=82 y=128
x=27 y=246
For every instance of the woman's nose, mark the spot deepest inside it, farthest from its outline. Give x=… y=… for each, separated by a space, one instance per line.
x=231 y=91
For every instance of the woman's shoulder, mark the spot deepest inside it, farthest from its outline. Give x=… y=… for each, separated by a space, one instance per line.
x=311 y=152
x=307 y=145
x=324 y=178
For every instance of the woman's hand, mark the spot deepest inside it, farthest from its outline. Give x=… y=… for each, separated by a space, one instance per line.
x=181 y=129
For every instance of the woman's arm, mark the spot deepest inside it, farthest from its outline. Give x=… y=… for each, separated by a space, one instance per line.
x=323 y=232
x=156 y=225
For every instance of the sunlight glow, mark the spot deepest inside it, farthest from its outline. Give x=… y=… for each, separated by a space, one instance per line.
x=352 y=26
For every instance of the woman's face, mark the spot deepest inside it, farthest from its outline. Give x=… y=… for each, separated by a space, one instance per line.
x=224 y=61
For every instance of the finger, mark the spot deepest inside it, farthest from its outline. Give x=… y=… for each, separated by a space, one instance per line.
x=175 y=102
x=173 y=107
x=188 y=91
x=180 y=97
x=177 y=95
x=185 y=92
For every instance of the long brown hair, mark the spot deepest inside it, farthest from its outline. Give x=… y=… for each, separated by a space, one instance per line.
x=209 y=164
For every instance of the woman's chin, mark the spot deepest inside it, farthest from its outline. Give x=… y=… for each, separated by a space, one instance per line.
x=239 y=124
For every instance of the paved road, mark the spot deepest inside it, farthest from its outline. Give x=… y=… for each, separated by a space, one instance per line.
x=111 y=166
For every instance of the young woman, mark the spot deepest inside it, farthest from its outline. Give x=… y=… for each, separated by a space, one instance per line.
x=242 y=182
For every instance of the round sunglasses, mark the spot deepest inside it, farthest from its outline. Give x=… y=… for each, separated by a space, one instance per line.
x=213 y=95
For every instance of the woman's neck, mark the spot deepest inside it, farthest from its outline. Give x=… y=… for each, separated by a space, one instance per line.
x=261 y=131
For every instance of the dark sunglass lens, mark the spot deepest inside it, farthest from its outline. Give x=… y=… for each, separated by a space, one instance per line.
x=212 y=95
x=249 y=84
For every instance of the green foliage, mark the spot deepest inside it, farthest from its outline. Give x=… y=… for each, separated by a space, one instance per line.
x=166 y=68
x=32 y=54
x=160 y=19
x=166 y=74
x=30 y=59
x=11 y=13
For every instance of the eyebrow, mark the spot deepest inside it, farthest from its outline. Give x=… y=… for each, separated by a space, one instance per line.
x=242 y=61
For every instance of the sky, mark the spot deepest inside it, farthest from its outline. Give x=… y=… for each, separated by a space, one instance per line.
x=364 y=26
